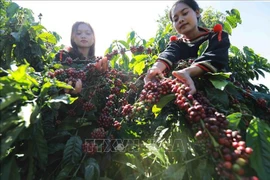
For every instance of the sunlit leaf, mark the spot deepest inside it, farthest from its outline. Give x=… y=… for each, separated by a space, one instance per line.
x=203 y=47
x=38 y=27
x=236 y=13
x=157 y=151
x=219 y=84
x=232 y=21
x=234 y=120
x=227 y=27
x=47 y=37
x=62 y=84
x=156 y=109
x=64 y=98
x=10 y=137
x=138 y=68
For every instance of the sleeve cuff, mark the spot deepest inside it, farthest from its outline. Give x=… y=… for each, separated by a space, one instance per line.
x=206 y=66
x=165 y=63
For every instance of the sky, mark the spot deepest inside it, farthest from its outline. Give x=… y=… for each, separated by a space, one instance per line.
x=113 y=20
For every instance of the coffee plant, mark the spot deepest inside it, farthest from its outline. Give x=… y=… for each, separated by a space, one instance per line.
x=117 y=127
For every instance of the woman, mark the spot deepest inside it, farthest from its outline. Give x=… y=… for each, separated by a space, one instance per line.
x=82 y=50
x=185 y=15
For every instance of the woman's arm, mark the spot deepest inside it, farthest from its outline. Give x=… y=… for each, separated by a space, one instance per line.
x=165 y=60
x=214 y=59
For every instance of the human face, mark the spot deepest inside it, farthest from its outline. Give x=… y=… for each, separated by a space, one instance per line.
x=184 y=19
x=83 y=37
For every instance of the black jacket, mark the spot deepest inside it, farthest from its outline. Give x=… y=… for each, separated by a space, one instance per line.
x=214 y=59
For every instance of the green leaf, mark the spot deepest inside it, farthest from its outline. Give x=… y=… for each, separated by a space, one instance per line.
x=124 y=43
x=10 y=137
x=161 y=134
x=40 y=144
x=233 y=90
x=54 y=147
x=159 y=152
x=47 y=37
x=227 y=27
x=260 y=72
x=16 y=36
x=174 y=172
x=91 y=169
x=35 y=114
x=62 y=84
x=38 y=27
x=219 y=84
x=64 y=173
x=219 y=98
x=11 y=98
x=64 y=98
x=203 y=47
x=235 y=12
x=232 y=21
x=20 y=75
x=235 y=50
x=221 y=75
x=164 y=100
x=9 y=121
x=219 y=80
x=234 y=120
x=10 y=170
x=258 y=138
x=130 y=36
x=12 y=9
x=73 y=150
x=138 y=68
x=204 y=170
x=125 y=61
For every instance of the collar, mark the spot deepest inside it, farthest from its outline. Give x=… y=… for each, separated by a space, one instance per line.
x=199 y=37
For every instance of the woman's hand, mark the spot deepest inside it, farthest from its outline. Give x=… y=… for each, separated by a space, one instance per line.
x=157 y=69
x=152 y=73
x=185 y=75
x=102 y=64
x=77 y=89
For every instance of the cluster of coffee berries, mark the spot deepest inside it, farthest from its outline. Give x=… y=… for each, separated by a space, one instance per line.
x=261 y=102
x=59 y=74
x=211 y=127
x=226 y=146
x=108 y=112
x=126 y=109
x=71 y=112
x=184 y=64
x=89 y=148
x=98 y=133
x=88 y=106
x=150 y=95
